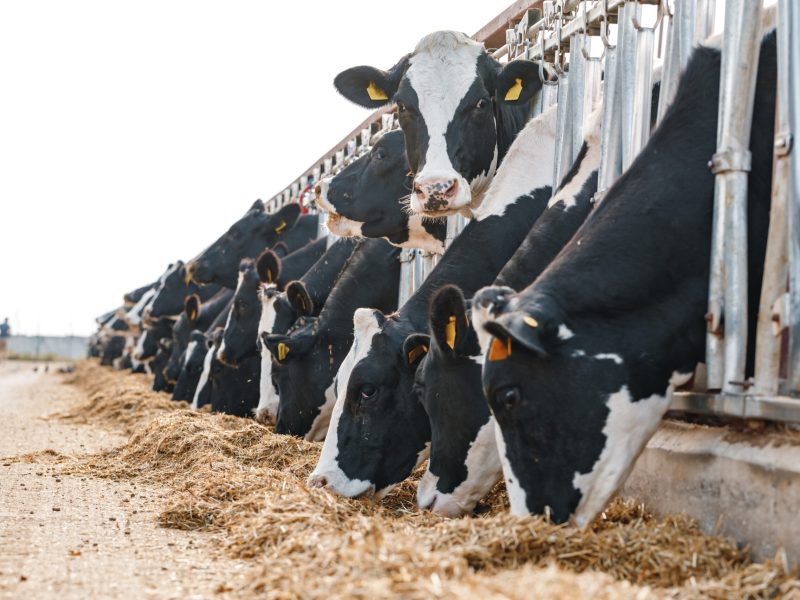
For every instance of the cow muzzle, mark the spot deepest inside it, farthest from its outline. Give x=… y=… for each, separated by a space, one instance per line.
x=439 y=196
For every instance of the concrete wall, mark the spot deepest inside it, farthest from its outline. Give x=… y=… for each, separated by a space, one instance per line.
x=746 y=487
x=71 y=347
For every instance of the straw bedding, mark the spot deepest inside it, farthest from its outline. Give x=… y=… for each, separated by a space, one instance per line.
x=235 y=475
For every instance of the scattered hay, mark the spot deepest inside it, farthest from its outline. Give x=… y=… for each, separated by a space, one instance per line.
x=235 y=475
x=116 y=399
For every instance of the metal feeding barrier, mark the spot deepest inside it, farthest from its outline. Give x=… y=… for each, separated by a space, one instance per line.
x=611 y=52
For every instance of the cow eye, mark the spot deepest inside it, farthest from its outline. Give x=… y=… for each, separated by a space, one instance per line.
x=482 y=103
x=368 y=391
x=508 y=397
x=401 y=107
x=379 y=154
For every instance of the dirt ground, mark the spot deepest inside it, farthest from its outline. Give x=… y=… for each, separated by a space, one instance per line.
x=73 y=537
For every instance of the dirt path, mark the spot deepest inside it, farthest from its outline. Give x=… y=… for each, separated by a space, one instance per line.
x=73 y=537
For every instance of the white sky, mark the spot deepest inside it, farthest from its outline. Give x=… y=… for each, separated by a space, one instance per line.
x=133 y=133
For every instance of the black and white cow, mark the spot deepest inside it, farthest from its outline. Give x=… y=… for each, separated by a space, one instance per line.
x=377 y=434
x=459 y=109
x=278 y=313
x=464 y=464
x=248 y=237
x=158 y=367
x=173 y=288
x=130 y=299
x=309 y=354
x=147 y=343
x=234 y=391
x=202 y=393
x=196 y=315
x=369 y=198
x=582 y=363
x=194 y=357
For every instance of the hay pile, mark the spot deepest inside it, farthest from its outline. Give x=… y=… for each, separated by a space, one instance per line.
x=236 y=476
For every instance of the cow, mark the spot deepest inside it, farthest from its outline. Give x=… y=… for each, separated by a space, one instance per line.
x=131 y=298
x=247 y=237
x=464 y=464
x=234 y=391
x=202 y=393
x=158 y=367
x=581 y=364
x=147 y=343
x=204 y=316
x=278 y=313
x=369 y=198
x=309 y=354
x=374 y=441
x=192 y=369
x=173 y=288
x=459 y=109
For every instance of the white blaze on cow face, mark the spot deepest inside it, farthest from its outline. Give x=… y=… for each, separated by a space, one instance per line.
x=483 y=471
x=134 y=316
x=189 y=350
x=138 y=350
x=267 y=409
x=628 y=427
x=441 y=72
x=328 y=473
x=516 y=495
x=203 y=378
x=221 y=351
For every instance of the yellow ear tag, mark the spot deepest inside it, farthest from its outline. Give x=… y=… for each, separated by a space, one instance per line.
x=280 y=227
x=187 y=277
x=499 y=351
x=414 y=354
x=192 y=314
x=283 y=350
x=450 y=332
x=530 y=321
x=514 y=91
x=376 y=93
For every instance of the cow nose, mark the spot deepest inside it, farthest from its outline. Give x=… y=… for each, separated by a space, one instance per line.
x=435 y=193
x=319 y=481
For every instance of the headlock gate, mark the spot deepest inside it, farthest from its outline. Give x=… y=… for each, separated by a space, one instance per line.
x=610 y=52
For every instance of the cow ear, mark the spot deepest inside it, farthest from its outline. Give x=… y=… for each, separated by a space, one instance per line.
x=521 y=328
x=258 y=206
x=268 y=266
x=449 y=323
x=415 y=347
x=280 y=249
x=517 y=82
x=284 y=219
x=370 y=87
x=277 y=344
x=299 y=298
x=191 y=306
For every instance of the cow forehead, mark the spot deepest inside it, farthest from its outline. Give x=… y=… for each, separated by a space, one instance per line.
x=441 y=72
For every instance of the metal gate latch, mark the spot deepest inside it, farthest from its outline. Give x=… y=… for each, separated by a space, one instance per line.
x=729 y=159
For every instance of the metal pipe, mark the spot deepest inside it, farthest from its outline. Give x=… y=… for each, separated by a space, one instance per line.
x=731 y=164
x=793 y=308
x=577 y=77
x=626 y=36
x=562 y=133
x=406 y=276
x=643 y=86
x=768 y=337
x=610 y=133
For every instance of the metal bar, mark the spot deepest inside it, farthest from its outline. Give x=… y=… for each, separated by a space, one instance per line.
x=562 y=132
x=793 y=311
x=643 y=86
x=577 y=81
x=731 y=164
x=626 y=36
x=768 y=340
x=610 y=132
x=744 y=406
x=406 y=276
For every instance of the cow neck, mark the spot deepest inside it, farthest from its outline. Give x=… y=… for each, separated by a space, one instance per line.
x=321 y=277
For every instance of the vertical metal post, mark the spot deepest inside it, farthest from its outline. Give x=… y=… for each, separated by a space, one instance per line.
x=626 y=36
x=643 y=86
x=793 y=312
x=731 y=164
x=563 y=135
x=406 y=277
x=577 y=79
x=610 y=132
x=768 y=341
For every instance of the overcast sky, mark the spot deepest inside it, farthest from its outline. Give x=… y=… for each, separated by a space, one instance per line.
x=134 y=133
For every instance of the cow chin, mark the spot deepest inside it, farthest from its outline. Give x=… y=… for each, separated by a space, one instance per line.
x=429 y=498
x=336 y=481
x=342 y=226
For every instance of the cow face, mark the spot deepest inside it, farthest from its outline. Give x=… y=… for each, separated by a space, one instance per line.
x=370 y=198
x=147 y=344
x=235 y=391
x=459 y=110
x=246 y=238
x=173 y=288
x=113 y=350
x=572 y=413
x=202 y=394
x=302 y=374
x=239 y=339
x=464 y=464
x=193 y=360
x=377 y=434
x=181 y=333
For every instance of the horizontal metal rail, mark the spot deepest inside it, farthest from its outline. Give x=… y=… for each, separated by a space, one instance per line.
x=744 y=406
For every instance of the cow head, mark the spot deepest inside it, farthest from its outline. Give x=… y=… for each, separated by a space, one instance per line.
x=377 y=434
x=572 y=412
x=173 y=287
x=241 y=329
x=147 y=344
x=245 y=238
x=194 y=356
x=464 y=464
x=370 y=197
x=459 y=110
